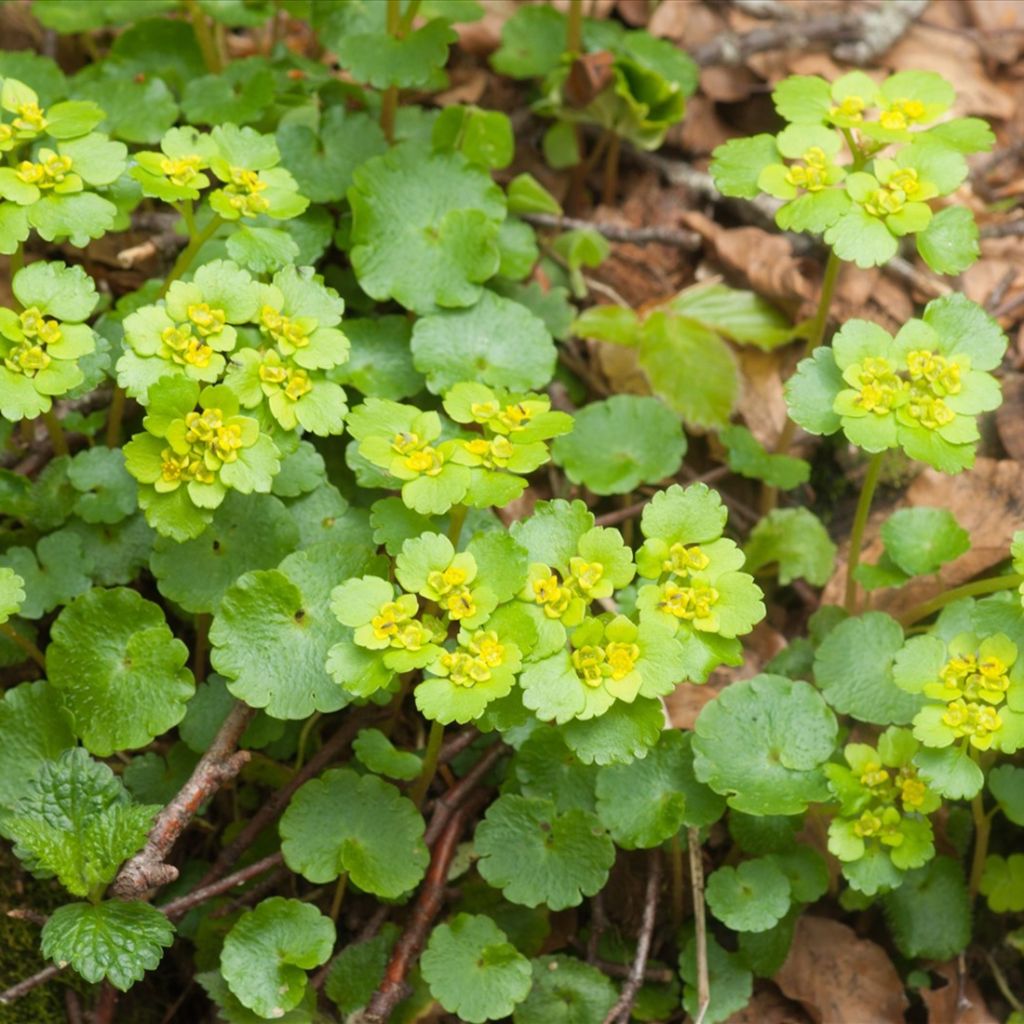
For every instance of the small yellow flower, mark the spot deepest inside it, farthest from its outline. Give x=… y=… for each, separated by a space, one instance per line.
x=181 y=170
x=207 y=321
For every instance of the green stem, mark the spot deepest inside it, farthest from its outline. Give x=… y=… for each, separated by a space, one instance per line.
x=389 y=101
x=860 y=521
x=339 y=895
x=408 y=18
x=574 y=28
x=307 y=728
x=982 y=831
x=56 y=432
x=418 y=790
x=204 y=38
x=24 y=643
x=114 y=416
x=188 y=254
x=456 y=519
x=17 y=259
x=992 y=585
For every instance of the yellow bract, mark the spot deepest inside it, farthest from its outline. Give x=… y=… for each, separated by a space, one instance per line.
x=207 y=320
x=184 y=468
x=586 y=575
x=901 y=114
x=683 y=560
x=181 y=170
x=812 y=175
x=851 y=108
x=30 y=118
x=243 y=189
x=688 y=603
x=552 y=596
x=427 y=461
x=49 y=171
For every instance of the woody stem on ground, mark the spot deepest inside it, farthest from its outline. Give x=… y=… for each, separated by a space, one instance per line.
x=860 y=521
x=976 y=589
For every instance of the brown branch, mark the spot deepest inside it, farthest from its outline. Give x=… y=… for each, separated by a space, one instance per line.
x=688 y=240
x=428 y=905
x=275 y=804
x=221 y=763
x=457 y=744
x=106 y=1004
x=732 y=49
x=620 y=1012
x=23 y=988
x=183 y=904
x=447 y=804
x=700 y=923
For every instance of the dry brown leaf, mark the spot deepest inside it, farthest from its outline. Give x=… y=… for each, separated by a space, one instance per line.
x=1010 y=415
x=727 y=85
x=769 y=1006
x=987 y=501
x=761 y=401
x=687 y=24
x=468 y=85
x=701 y=130
x=839 y=978
x=634 y=12
x=941 y=1002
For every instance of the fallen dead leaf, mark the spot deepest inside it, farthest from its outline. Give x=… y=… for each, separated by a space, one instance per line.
x=942 y=1002
x=1010 y=415
x=839 y=978
x=769 y=1006
x=761 y=401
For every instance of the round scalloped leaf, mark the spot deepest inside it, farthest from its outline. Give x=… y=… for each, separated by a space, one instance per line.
x=1002 y=883
x=107 y=491
x=552 y=532
x=274 y=628
x=950 y=772
x=65 y=293
x=751 y=897
x=812 y=390
x=536 y=854
x=233 y=1012
x=12 y=593
x=929 y=915
x=1006 y=783
x=977 y=333
x=424 y=228
x=620 y=443
x=566 y=991
x=622 y=733
x=378 y=754
x=33 y=730
x=381 y=60
x=796 y=540
x=921 y=540
x=731 y=984
x=497 y=341
x=473 y=970
x=949 y=244
x=665 y=777
x=376 y=834
x=119 y=669
x=853 y=670
x=546 y=768
x=114 y=941
x=761 y=744
x=268 y=951
x=252 y=531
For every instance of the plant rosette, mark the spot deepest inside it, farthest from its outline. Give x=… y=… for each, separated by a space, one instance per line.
x=699 y=593
x=195 y=449
x=191 y=331
x=40 y=346
x=920 y=391
x=974 y=688
x=175 y=173
x=881 y=828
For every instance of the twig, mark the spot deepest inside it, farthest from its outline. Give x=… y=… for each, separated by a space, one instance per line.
x=23 y=988
x=996 y=296
x=106 y=1004
x=766 y=9
x=620 y=1012
x=428 y=905
x=447 y=804
x=27 y=914
x=700 y=924
x=881 y=27
x=220 y=763
x=278 y=800
x=264 y=887
x=73 y=1006
x=657 y=975
x=461 y=741
x=688 y=240
x=732 y=49
x=183 y=904
x=598 y=925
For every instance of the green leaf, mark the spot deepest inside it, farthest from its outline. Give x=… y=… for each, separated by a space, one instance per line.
x=737 y=164
x=796 y=540
x=622 y=733
x=669 y=341
x=752 y=897
x=322 y=161
x=12 y=593
x=157 y=46
x=112 y=941
x=921 y=540
x=484 y=137
x=621 y=442
x=33 y=730
x=552 y=533
x=811 y=391
x=949 y=244
x=381 y=60
x=1002 y=883
x=802 y=99
x=929 y=915
x=536 y=854
x=437 y=244
x=239 y=94
x=545 y=767
x=233 y=1012
x=262 y=250
x=950 y=772
x=853 y=669
x=473 y=970
x=107 y=490
x=761 y=743
x=77 y=821
x=119 y=669
x=497 y=342
x=527 y=195
x=268 y=951
x=740 y=316
x=252 y=531
x=379 y=361
x=665 y=777
x=1005 y=783
x=807 y=871
x=60 y=574
x=749 y=458
x=377 y=753
x=730 y=983
x=377 y=835
x=274 y=627
x=565 y=991
x=532 y=41
x=358 y=969
x=857 y=237
x=135 y=111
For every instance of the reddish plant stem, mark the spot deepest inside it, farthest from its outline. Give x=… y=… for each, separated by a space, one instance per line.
x=428 y=905
x=620 y=1012
x=106 y=1005
x=221 y=763
x=278 y=800
x=183 y=904
x=445 y=806
x=73 y=1007
x=461 y=741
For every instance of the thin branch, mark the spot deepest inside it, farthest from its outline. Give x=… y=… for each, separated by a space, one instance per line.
x=700 y=924
x=731 y=49
x=15 y=992
x=428 y=905
x=447 y=804
x=881 y=28
x=183 y=904
x=221 y=763
x=458 y=743
x=688 y=240
x=620 y=1012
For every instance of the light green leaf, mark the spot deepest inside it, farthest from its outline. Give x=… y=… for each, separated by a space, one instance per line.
x=114 y=941
x=749 y=458
x=378 y=754
x=921 y=540
x=949 y=244
x=1002 y=883
x=12 y=593
x=737 y=164
x=740 y=316
x=796 y=540
x=552 y=533
x=622 y=733
x=473 y=970
x=802 y=99
x=811 y=391
x=1005 y=783
x=565 y=991
x=119 y=669
x=752 y=897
